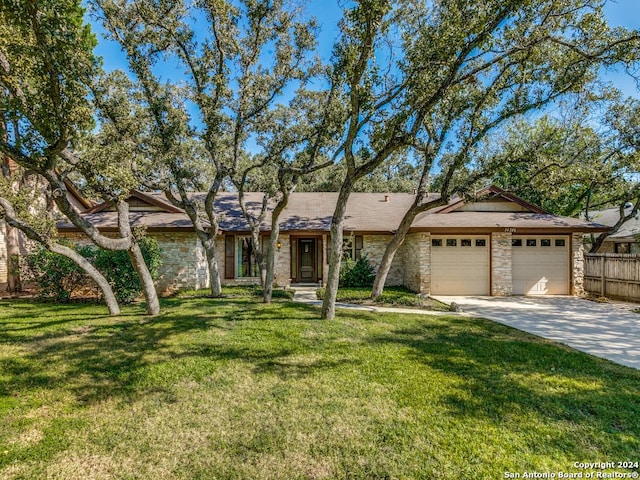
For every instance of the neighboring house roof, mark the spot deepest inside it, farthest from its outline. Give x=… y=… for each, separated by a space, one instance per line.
x=610 y=217
x=366 y=212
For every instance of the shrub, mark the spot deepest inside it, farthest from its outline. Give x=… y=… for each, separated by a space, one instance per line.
x=359 y=273
x=56 y=276
x=117 y=268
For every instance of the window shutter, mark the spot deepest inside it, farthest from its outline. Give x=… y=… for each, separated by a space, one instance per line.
x=229 y=256
x=359 y=242
x=294 y=259
x=319 y=258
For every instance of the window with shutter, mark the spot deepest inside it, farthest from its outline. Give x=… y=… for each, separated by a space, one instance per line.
x=357 y=247
x=229 y=256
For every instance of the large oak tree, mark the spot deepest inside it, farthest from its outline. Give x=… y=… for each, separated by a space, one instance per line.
x=437 y=77
x=46 y=67
x=241 y=62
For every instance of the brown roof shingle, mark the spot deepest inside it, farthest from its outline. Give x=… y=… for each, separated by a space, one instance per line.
x=502 y=220
x=366 y=212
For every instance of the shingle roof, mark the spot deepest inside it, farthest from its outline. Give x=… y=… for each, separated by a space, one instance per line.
x=313 y=211
x=501 y=220
x=366 y=212
x=610 y=217
x=151 y=220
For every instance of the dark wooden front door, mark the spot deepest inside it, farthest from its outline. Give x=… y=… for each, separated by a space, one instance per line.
x=307 y=263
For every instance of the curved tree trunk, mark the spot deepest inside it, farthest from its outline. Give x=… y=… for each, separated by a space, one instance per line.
x=96 y=276
x=267 y=292
x=13 y=266
x=622 y=219
x=597 y=242
x=207 y=237
x=137 y=260
x=259 y=252
x=333 y=276
x=401 y=233
x=125 y=242
x=390 y=252
x=215 y=285
x=148 y=288
x=59 y=190
x=272 y=250
x=270 y=273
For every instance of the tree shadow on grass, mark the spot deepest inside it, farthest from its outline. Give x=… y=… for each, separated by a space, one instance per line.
x=505 y=376
x=130 y=358
x=102 y=357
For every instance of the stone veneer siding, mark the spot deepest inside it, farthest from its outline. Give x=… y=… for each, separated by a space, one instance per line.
x=373 y=246
x=283 y=262
x=417 y=262
x=577 y=264
x=501 y=264
x=184 y=263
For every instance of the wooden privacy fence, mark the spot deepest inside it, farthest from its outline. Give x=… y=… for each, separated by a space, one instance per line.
x=613 y=275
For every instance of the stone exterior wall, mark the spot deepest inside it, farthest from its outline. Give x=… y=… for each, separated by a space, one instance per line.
x=202 y=268
x=501 y=264
x=183 y=260
x=182 y=257
x=577 y=264
x=185 y=267
x=417 y=262
x=373 y=246
x=283 y=262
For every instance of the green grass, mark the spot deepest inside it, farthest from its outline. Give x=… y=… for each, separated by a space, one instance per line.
x=233 y=389
x=235 y=291
x=391 y=296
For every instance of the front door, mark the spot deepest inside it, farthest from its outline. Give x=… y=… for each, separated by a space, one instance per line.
x=307 y=252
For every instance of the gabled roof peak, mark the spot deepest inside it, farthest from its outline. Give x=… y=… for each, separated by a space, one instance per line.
x=491 y=191
x=151 y=200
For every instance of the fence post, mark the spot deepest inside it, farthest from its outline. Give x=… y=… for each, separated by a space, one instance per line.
x=603 y=285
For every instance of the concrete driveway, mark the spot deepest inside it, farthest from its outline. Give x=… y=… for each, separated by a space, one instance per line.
x=607 y=330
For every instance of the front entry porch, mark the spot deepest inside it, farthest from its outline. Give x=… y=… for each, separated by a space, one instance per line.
x=306 y=259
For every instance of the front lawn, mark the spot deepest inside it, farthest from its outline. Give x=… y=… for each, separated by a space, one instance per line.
x=233 y=389
x=391 y=296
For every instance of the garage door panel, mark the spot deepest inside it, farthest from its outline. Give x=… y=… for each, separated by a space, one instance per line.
x=540 y=268
x=462 y=269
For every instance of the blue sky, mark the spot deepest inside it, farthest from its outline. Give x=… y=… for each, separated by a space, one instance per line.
x=624 y=13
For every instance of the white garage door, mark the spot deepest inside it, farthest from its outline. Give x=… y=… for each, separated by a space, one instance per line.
x=460 y=265
x=540 y=265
